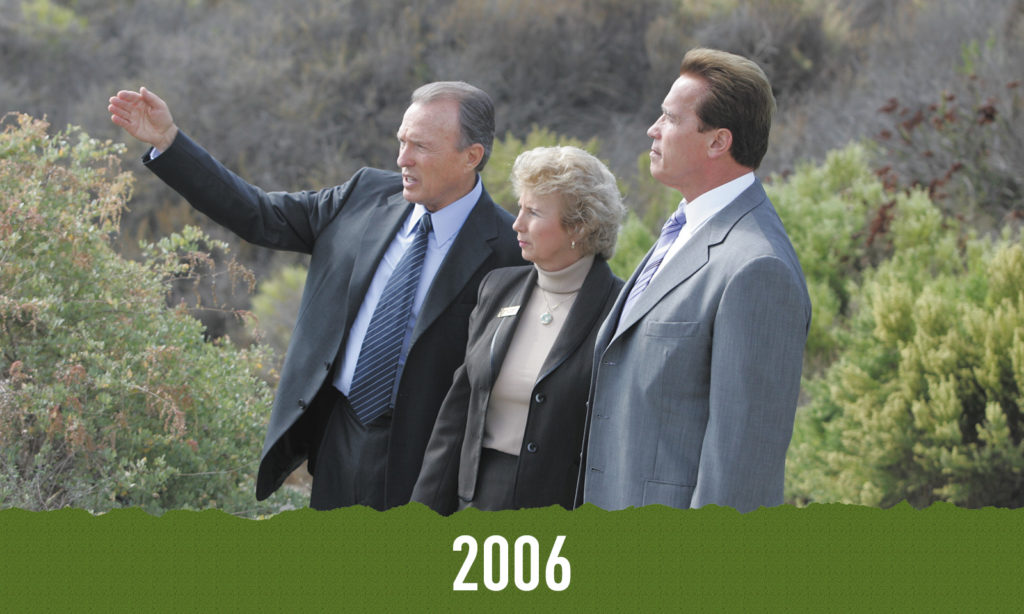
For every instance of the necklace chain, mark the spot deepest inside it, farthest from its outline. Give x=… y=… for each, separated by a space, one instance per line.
x=546 y=317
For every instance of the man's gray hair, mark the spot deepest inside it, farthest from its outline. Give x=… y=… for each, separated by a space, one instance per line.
x=476 y=112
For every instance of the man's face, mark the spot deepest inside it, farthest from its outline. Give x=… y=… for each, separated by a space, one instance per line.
x=434 y=172
x=679 y=151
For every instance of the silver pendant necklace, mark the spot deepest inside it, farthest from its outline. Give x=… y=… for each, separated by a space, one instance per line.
x=546 y=317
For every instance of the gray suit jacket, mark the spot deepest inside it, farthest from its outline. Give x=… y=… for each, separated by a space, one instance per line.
x=346 y=229
x=692 y=402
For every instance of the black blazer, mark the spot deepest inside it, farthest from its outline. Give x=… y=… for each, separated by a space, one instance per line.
x=550 y=457
x=346 y=230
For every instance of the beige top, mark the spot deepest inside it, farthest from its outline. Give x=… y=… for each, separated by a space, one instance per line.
x=509 y=404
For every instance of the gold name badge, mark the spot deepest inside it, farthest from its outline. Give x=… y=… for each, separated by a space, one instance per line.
x=508 y=311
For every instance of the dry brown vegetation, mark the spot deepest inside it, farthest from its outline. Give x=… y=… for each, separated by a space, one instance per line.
x=297 y=95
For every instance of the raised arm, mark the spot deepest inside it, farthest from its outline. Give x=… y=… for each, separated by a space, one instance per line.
x=145 y=116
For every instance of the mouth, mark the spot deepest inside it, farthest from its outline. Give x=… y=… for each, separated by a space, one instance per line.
x=408 y=180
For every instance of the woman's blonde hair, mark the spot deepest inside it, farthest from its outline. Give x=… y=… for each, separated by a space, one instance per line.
x=592 y=206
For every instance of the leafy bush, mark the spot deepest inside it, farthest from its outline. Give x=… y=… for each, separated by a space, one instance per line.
x=923 y=402
x=634 y=241
x=108 y=398
x=276 y=307
x=836 y=215
x=497 y=174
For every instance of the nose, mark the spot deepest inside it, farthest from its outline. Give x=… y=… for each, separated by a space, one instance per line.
x=653 y=131
x=517 y=225
x=403 y=157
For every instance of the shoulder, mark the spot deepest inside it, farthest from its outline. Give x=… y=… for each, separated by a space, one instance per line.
x=367 y=187
x=486 y=203
x=375 y=179
x=601 y=277
x=505 y=276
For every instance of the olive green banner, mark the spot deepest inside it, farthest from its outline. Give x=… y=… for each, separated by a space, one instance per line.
x=821 y=558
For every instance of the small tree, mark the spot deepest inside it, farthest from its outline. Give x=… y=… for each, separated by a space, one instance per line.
x=497 y=173
x=837 y=216
x=108 y=398
x=923 y=402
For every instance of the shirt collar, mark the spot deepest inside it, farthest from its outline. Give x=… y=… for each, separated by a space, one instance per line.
x=714 y=200
x=448 y=220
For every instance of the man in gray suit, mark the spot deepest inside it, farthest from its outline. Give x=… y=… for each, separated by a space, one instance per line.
x=697 y=368
x=395 y=262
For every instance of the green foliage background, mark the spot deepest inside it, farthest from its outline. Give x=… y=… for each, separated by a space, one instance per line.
x=914 y=376
x=895 y=164
x=108 y=398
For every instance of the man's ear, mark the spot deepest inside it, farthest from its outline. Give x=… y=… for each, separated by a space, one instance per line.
x=721 y=143
x=474 y=153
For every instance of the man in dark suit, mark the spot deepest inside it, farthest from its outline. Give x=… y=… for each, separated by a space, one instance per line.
x=697 y=368
x=431 y=230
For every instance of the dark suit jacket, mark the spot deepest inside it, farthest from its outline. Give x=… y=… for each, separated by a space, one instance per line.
x=550 y=457
x=346 y=230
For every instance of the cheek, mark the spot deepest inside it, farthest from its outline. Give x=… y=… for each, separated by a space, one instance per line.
x=551 y=237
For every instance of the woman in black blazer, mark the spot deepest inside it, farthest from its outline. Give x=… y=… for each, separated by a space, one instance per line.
x=510 y=432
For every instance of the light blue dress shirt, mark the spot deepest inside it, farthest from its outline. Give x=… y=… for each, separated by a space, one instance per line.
x=446 y=222
x=446 y=225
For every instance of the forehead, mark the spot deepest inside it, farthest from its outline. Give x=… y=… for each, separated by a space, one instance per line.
x=684 y=94
x=431 y=121
x=548 y=201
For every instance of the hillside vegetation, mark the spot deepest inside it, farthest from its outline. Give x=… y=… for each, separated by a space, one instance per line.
x=895 y=163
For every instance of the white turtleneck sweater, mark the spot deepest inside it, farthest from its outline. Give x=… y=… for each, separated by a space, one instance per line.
x=509 y=404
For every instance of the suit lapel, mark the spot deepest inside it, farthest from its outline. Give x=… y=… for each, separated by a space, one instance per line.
x=470 y=249
x=690 y=259
x=381 y=227
x=611 y=323
x=693 y=255
x=502 y=338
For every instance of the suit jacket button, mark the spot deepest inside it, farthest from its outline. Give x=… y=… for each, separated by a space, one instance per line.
x=531 y=447
x=327 y=365
x=540 y=397
x=301 y=404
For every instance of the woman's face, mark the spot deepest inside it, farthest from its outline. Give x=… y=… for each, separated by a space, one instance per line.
x=543 y=239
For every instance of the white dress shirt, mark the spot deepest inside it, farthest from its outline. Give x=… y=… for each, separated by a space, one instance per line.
x=702 y=209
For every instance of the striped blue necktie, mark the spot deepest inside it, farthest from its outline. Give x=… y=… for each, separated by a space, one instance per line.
x=669 y=232
x=377 y=366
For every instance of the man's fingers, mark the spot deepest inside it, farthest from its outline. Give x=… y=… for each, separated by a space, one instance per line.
x=129 y=96
x=150 y=98
x=120 y=108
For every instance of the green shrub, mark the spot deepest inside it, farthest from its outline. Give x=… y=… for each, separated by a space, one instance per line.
x=634 y=241
x=276 y=307
x=836 y=215
x=108 y=398
x=497 y=173
x=923 y=402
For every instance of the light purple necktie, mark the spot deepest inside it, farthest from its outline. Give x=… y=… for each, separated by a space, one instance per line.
x=669 y=232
